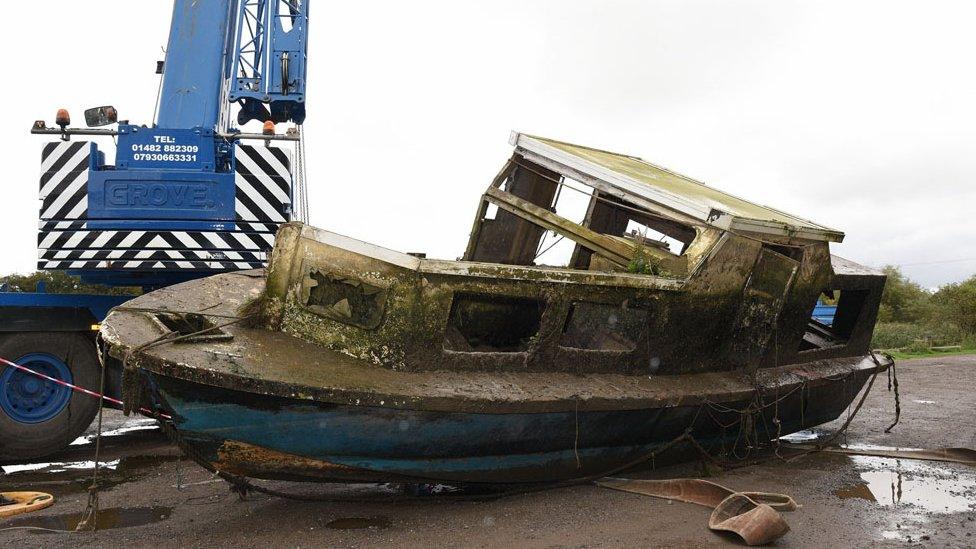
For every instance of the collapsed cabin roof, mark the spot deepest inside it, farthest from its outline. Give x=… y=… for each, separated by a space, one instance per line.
x=634 y=179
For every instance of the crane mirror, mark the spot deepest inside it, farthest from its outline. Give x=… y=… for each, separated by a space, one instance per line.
x=101 y=116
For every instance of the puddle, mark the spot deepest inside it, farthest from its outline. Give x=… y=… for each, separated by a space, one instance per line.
x=808 y=435
x=924 y=401
x=58 y=467
x=358 y=523
x=115 y=517
x=61 y=478
x=876 y=448
x=935 y=488
x=145 y=424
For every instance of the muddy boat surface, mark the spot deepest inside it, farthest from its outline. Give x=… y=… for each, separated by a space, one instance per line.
x=674 y=309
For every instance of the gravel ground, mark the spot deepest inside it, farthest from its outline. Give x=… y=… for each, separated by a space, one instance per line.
x=152 y=499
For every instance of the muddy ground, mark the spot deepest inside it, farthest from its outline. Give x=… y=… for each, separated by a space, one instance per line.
x=152 y=499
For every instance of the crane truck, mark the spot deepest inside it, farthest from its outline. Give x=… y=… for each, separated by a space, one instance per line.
x=189 y=195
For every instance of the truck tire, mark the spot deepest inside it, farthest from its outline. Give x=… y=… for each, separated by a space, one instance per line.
x=39 y=417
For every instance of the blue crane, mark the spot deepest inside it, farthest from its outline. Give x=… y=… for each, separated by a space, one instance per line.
x=189 y=195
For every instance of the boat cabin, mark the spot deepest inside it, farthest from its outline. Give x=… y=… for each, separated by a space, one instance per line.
x=583 y=260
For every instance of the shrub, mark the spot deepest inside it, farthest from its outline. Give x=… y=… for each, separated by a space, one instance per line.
x=958 y=301
x=895 y=335
x=898 y=335
x=59 y=282
x=903 y=300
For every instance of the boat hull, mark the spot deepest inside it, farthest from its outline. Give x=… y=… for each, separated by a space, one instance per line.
x=274 y=437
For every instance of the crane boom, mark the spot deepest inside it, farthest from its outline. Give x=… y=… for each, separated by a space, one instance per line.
x=194 y=69
x=248 y=51
x=269 y=60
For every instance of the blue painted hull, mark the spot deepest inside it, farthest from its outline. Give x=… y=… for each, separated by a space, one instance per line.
x=274 y=437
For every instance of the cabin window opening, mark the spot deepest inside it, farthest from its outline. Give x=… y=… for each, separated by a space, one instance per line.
x=834 y=319
x=190 y=323
x=614 y=216
x=491 y=210
x=650 y=238
x=571 y=203
x=603 y=327
x=492 y=324
x=503 y=236
x=793 y=252
x=554 y=251
x=850 y=304
x=346 y=300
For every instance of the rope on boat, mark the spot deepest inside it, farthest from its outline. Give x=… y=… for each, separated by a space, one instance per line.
x=90 y=514
x=130 y=385
x=242 y=485
x=821 y=446
x=89 y=517
x=165 y=338
x=93 y=394
x=130 y=309
x=893 y=377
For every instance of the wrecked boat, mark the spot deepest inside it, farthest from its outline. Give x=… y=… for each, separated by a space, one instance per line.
x=676 y=311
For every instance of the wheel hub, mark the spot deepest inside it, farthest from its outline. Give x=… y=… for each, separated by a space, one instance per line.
x=27 y=398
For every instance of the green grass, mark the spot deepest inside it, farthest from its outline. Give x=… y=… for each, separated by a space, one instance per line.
x=928 y=353
x=901 y=335
x=905 y=340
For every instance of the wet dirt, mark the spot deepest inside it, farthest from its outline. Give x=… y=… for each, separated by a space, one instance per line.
x=847 y=501
x=918 y=495
x=358 y=523
x=934 y=488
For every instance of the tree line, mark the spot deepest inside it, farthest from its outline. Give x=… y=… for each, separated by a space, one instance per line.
x=913 y=317
x=59 y=282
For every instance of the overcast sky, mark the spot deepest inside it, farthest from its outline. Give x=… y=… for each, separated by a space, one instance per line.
x=858 y=115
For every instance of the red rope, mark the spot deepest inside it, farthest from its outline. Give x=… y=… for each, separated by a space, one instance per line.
x=116 y=401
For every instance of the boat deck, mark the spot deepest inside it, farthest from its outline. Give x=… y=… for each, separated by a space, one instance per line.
x=280 y=364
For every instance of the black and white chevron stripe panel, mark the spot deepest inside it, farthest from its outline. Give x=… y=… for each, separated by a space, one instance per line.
x=81 y=225
x=64 y=180
x=152 y=250
x=65 y=241
x=160 y=240
x=263 y=181
x=126 y=255
x=263 y=184
x=150 y=259
x=150 y=265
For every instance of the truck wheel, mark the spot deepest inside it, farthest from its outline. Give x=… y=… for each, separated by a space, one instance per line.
x=39 y=417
